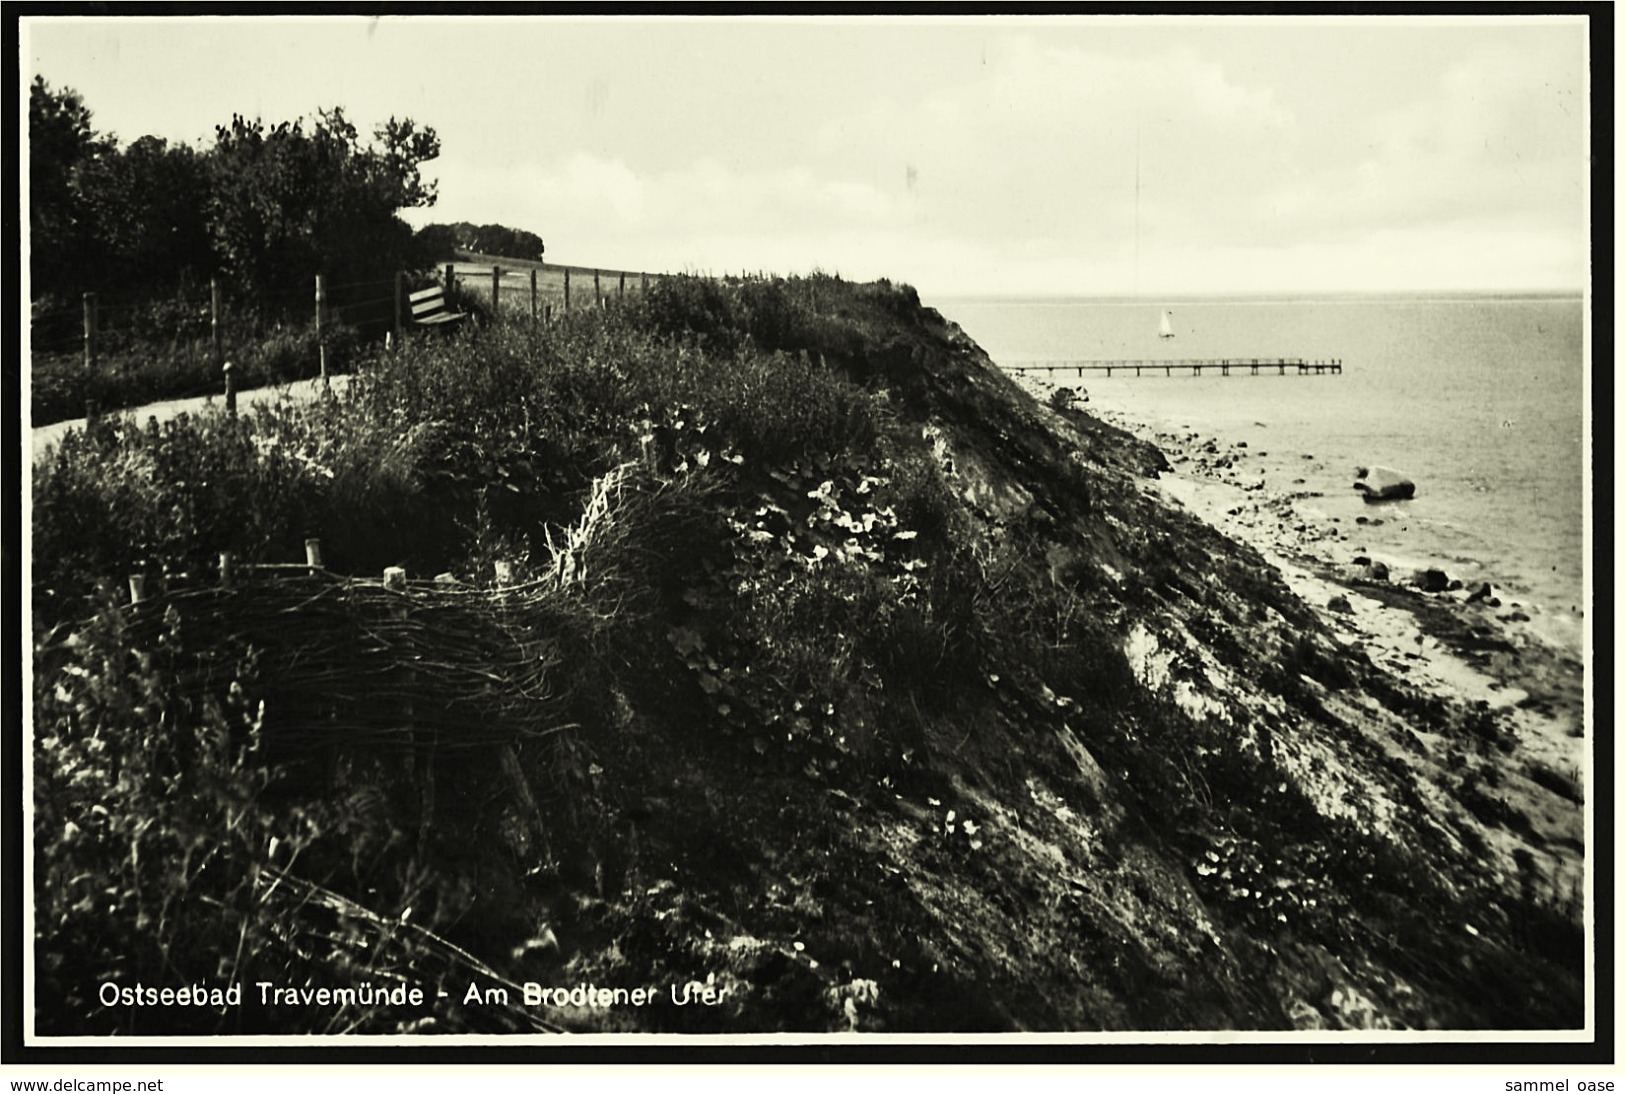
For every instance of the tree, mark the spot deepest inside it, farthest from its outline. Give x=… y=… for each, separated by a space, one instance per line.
x=101 y=216
x=496 y=239
x=438 y=242
x=487 y=239
x=286 y=204
x=60 y=143
x=268 y=207
x=144 y=209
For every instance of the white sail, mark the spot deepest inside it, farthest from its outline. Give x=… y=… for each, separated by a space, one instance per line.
x=1166 y=329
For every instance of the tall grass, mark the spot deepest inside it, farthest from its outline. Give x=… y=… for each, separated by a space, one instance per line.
x=610 y=458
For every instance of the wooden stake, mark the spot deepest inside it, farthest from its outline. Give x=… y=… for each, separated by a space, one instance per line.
x=496 y=288
x=230 y=371
x=420 y=758
x=567 y=289
x=90 y=329
x=321 y=307
x=138 y=588
x=400 y=304
x=533 y=295
x=313 y=553
x=214 y=319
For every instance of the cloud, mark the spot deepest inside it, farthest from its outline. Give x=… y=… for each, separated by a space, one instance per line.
x=1076 y=168
x=1051 y=142
x=704 y=214
x=1496 y=144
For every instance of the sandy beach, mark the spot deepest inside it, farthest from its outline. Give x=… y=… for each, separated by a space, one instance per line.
x=1514 y=659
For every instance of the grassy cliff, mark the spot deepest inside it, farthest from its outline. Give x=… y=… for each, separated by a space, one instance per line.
x=758 y=638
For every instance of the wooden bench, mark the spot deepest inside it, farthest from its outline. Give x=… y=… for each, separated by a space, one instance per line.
x=429 y=308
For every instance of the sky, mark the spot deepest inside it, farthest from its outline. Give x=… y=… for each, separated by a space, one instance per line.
x=1128 y=155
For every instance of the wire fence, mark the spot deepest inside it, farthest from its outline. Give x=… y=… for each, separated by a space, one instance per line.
x=200 y=318
x=113 y=350
x=543 y=290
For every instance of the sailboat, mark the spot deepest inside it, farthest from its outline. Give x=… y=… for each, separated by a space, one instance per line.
x=1166 y=328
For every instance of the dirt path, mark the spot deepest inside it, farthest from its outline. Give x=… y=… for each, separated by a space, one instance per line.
x=45 y=437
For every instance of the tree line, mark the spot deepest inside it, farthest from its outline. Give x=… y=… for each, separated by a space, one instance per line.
x=261 y=208
x=445 y=240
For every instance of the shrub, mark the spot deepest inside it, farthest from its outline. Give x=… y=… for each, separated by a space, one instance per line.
x=710 y=311
x=162 y=499
x=150 y=836
x=170 y=853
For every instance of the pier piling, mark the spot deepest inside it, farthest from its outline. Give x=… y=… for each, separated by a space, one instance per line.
x=1332 y=366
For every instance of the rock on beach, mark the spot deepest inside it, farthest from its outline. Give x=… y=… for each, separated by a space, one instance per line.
x=1431 y=580
x=1383 y=484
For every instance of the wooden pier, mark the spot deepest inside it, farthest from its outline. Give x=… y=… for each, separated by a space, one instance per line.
x=1281 y=366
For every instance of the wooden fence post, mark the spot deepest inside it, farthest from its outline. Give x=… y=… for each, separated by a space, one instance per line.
x=419 y=756
x=597 y=291
x=313 y=553
x=451 y=280
x=230 y=371
x=567 y=288
x=496 y=289
x=321 y=306
x=644 y=278
x=138 y=588
x=621 y=292
x=225 y=567
x=214 y=320
x=400 y=303
x=533 y=294
x=90 y=329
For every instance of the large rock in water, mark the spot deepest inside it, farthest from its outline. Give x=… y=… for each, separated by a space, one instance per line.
x=1383 y=484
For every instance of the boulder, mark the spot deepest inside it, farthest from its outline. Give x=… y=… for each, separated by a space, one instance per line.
x=1431 y=580
x=1383 y=484
x=1341 y=605
x=1363 y=568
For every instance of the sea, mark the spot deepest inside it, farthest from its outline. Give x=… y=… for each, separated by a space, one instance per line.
x=1482 y=400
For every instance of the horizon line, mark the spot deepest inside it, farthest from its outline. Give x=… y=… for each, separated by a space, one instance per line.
x=1264 y=294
